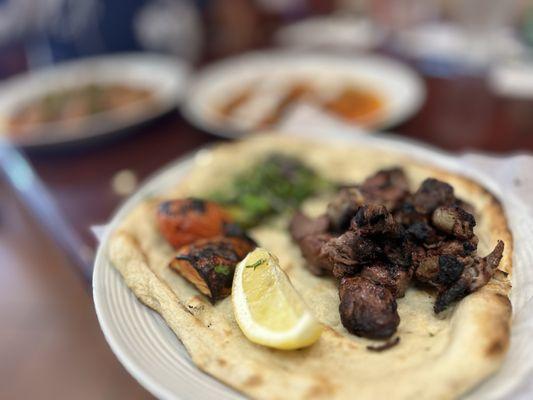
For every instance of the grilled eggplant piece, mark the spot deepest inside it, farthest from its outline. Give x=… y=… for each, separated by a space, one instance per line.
x=367 y=309
x=209 y=264
x=183 y=221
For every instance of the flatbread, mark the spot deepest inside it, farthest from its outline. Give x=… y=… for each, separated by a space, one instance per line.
x=438 y=357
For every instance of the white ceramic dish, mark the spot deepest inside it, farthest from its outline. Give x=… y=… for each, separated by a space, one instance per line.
x=139 y=337
x=163 y=76
x=401 y=88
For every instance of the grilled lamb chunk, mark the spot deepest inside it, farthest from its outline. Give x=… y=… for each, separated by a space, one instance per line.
x=425 y=234
x=388 y=187
x=370 y=220
x=406 y=214
x=311 y=248
x=301 y=226
x=348 y=252
x=440 y=270
x=397 y=250
x=343 y=207
x=209 y=264
x=431 y=194
x=474 y=276
x=394 y=278
x=367 y=309
x=454 y=221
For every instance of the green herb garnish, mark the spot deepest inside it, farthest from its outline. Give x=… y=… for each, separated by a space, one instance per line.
x=222 y=269
x=275 y=185
x=256 y=264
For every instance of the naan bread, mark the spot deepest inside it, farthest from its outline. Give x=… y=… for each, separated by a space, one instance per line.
x=438 y=357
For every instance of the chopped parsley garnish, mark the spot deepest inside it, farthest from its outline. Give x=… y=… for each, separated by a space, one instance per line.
x=256 y=264
x=277 y=184
x=222 y=269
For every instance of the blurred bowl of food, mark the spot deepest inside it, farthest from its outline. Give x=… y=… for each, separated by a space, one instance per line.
x=89 y=98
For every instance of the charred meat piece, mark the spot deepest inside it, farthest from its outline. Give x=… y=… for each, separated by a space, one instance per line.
x=311 y=248
x=440 y=270
x=183 y=221
x=367 y=309
x=388 y=187
x=454 y=221
x=348 y=252
x=397 y=250
x=370 y=220
x=431 y=194
x=406 y=214
x=301 y=226
x=459 y=248
x=394 y=278
x=209 y=264
x=423 y=233
x=468 y=207
x=474 y=276
x=343 y=207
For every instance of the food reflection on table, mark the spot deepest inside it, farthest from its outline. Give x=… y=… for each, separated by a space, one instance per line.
x=70 y=108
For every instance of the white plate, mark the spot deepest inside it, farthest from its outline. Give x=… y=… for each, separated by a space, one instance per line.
x=401 y=88
x=163 y=75
x=139 y=337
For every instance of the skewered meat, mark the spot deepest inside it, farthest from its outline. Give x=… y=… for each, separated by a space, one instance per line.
x=388 y=187
x=183 y=221
x=301 y=226
x=454 y=221
x=343 y=207
x=474 y=276
x=394 y=278
x=209 y=264
x=367 y=309
x=432 y=194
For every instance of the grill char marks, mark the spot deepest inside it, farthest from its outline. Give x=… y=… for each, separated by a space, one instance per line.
x=380 y=236
x=209 y=264
x=367 y=309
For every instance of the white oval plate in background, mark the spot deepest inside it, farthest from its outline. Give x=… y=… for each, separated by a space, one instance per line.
x=400 y=87
x=163 y=76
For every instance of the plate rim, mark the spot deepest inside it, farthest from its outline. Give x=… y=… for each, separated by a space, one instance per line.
x=101 y=124
x=388 y=142
x=194 y=117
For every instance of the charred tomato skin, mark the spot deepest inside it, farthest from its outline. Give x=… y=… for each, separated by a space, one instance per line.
x=183 y=221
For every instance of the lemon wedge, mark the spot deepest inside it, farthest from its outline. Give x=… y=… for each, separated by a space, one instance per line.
x=267 y=307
